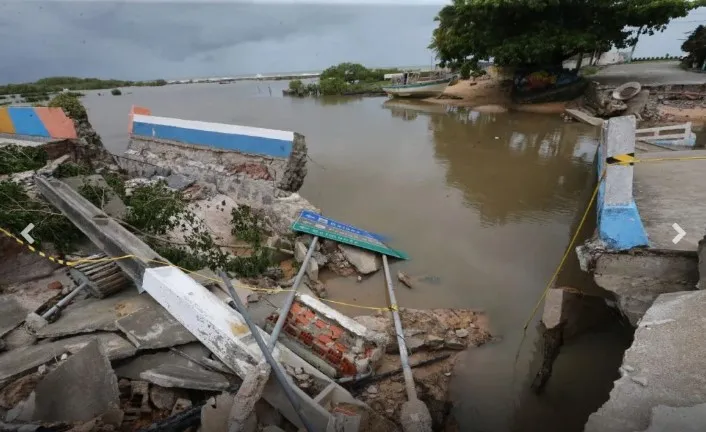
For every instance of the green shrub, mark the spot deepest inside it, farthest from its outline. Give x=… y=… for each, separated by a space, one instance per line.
x=71 y=106
x=14 y=158
x=116 y=92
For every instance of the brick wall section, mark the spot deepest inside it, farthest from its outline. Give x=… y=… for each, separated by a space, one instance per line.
x=347 y=353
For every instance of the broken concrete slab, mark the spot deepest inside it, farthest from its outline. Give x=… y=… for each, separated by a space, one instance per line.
x=664 y=365
x=194 y=377
x=113 y=205
x=179 y=181
x=18 y=362
x=90 y=315
x=15 y=363
x=637 y=279
x=153 y=328
x=364 y=261
x=114 y=346
x=133 y=367
x=80 y=389
x=11 y=314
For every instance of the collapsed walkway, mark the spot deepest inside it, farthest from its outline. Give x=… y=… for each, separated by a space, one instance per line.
x=652 y=266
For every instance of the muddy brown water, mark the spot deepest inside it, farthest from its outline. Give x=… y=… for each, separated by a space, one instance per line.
x=484 y=204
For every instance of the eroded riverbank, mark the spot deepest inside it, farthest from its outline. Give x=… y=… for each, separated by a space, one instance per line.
x=484 y=203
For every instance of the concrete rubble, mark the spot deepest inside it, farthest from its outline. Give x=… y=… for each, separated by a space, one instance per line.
x=128 y=361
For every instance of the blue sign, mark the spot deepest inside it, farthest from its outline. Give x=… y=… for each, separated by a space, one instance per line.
x=317 y=225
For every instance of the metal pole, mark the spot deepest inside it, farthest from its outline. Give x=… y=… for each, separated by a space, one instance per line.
x=404 y=359
x=255 y=331
x=284 y=310
x=63 y=302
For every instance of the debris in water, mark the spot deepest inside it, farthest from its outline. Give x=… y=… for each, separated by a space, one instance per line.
x=402 y=277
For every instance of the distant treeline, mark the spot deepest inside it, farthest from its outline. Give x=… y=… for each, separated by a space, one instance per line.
x=343 y=79
x=44 y=86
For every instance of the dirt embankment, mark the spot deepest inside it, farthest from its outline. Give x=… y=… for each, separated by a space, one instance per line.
x=490 y=96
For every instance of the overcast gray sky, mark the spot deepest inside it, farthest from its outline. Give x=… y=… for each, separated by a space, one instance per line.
x=145 y=40
x=131 y=40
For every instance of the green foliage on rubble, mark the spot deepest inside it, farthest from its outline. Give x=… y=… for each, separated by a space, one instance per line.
x=247 y=225
x=96 y=194
x=71 y=169
x=14 y=159
x=71 y=105
x=154 y=210
x=18 y=209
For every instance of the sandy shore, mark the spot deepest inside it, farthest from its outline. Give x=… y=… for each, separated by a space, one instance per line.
x=694 y=115
x=491 y=96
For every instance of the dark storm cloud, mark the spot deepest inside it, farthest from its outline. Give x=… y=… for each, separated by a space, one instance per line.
x=147 y=40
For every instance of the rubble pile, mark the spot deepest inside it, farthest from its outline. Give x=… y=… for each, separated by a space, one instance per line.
x=82 y=350
x=429 y=335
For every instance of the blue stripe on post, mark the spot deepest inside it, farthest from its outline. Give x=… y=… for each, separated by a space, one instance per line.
x=27 y=122
x=241 y=143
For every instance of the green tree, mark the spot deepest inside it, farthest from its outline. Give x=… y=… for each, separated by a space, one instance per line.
x=695 y=47
x=527 y=32
x=333 y=86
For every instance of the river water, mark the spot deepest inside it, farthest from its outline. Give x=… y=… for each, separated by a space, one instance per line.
x=484 y=204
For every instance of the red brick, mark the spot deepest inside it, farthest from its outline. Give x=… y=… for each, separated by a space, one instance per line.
x=319 y=348
x=291 y=330
x=306 y=338
x=320 y=324
x=55 y=285
x=302 y=320
x=334 y=356
x=324 y=339
x=309 y=314
x=296 y=308
x=346 y=367
x=340 y=347
x=336 y=330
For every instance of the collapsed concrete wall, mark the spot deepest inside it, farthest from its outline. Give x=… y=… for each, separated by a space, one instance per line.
x=260 y=168
x=213 y=150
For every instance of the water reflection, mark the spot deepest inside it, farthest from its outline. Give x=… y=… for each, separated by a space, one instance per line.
x=512 y=167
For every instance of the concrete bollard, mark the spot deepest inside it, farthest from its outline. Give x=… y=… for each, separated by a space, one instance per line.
x=619 y=224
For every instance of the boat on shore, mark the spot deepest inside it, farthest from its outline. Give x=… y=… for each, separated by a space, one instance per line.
x=417 y=84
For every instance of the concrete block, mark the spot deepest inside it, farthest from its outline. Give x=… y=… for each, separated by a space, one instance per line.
x=11 y=314
x=80 y=389
x=187 y=377
x=153 y=328
x=364 y=261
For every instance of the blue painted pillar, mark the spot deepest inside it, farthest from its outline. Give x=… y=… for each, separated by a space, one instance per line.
x=619 y=223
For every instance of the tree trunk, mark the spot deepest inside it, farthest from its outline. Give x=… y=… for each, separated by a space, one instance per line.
x=579 y=61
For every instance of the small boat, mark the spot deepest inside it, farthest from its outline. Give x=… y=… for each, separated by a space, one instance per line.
x=417 y=84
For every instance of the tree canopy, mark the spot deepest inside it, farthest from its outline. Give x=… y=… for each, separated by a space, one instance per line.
x=537 y=32
x=695 y=47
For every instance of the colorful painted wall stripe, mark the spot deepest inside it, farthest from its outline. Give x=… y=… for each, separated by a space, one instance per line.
x=42 y=122
x=244 y=139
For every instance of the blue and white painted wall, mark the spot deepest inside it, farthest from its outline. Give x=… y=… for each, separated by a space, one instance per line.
x=243 y=139
x=619 y=223
x=215 y=150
